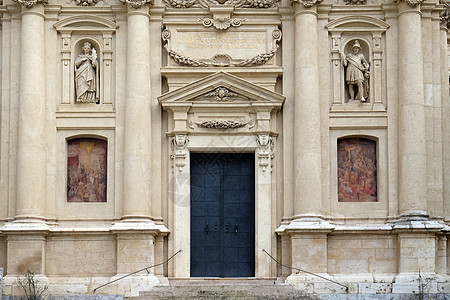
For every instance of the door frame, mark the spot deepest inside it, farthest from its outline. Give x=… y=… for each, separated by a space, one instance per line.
x=180 y=266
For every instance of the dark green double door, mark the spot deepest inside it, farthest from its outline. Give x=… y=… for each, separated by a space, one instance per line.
x=222 y=215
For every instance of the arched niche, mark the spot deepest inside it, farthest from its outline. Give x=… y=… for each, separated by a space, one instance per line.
x=73 y=32
x=370 y=32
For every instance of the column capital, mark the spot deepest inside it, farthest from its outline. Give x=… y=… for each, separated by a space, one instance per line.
x=307 y=3
x=412 y=3
x=445 y=15
x=133 y=3
x=31 y=3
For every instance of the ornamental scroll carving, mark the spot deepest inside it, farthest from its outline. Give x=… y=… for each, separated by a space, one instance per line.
x=222 y=23
x=178 y=145
x=30 y=3
x=261 y=4
x=221 y=60
x=266 y=144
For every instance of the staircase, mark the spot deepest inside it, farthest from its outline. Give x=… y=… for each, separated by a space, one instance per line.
x=224 y=289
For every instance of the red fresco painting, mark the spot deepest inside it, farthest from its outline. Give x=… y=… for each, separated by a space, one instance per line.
x=86 y=170
x=357 y=170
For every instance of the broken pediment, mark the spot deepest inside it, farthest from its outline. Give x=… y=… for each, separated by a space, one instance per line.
x=221 y=101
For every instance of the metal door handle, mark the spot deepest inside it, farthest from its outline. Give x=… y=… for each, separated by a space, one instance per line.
x=236 y=228
x=227 y=228
x=207 y=227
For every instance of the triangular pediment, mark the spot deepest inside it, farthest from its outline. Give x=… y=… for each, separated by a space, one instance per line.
x=221 y=87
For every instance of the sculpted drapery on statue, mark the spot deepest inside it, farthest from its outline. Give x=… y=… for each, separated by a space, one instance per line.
x=357 y=73
x=86 y=75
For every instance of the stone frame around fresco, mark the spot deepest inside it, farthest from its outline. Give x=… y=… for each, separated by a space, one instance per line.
x=84 y=210
x=379 y=209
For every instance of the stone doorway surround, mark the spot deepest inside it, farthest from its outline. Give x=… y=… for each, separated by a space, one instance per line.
x=220 y=113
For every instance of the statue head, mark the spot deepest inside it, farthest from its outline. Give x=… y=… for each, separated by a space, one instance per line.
x=87 y=48
x=356 y=47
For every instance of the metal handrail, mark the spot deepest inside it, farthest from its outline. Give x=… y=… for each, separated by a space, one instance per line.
x=146 y=269
x=300 y=270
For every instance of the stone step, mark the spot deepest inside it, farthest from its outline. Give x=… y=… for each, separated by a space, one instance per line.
x=224 y=289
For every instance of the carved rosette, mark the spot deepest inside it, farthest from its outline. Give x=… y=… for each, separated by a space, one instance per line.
x=412 y=3
x=222 y=124
x=179 y=152
x=266 y=145
x=30 y=3
x=136 y=3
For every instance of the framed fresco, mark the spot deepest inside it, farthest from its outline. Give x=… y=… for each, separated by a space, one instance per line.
x=86 y=170
x=357 y=170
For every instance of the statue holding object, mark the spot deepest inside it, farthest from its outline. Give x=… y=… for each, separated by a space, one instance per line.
x=86 y=75
x=357 y=73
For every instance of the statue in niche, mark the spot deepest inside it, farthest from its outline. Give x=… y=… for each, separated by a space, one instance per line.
x=86 y=75
x=357 y=73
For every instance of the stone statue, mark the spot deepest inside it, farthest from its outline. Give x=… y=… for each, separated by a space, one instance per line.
x=357 y=73
x=86 y=75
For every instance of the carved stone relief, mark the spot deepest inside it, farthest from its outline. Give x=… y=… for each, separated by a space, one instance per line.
x=86 y=2
x=445 y=16
x=412 y=3
x=355 y=2
x=87 y=75
x=222 y=23
x=31 y=3
x=179 y=152
x=221 y=60
x=136 y=3
x=221 y=94
x=222 y=124
x=261 y=4
x=307 y=3
x=266 y=144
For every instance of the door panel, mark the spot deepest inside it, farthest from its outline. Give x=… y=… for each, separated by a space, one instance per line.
x=222 y=215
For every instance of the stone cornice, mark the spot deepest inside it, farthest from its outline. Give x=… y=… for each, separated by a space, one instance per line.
x=30 y=3
x=412 y=3
x=137 y=3
x=307 y=3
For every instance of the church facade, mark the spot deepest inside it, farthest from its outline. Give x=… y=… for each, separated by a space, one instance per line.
x=226 y=138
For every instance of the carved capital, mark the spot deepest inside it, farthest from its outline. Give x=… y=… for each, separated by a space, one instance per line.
x=445 y=15
x=31 y=3
x=307 y=3
x=179 y=152
x=266 y=145
x=137 y=3
x=412 y=3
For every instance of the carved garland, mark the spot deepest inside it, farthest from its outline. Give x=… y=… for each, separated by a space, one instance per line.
x=355 y=2
x=262 y=4
x=221 y=60
x=221 y=124
x=30 y=3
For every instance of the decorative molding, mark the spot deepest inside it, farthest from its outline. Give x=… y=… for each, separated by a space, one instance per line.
x=221 y=60
x=266 y=144
x=412 y=3
x=221 y=94
x=307 y=3
x=178 y=145
x=137 y=3
x=258 y=4
x=222 y=23
x=31 y=3
x=445 y=16
x=222 y=124
x=86 y=2
x=355 y=2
